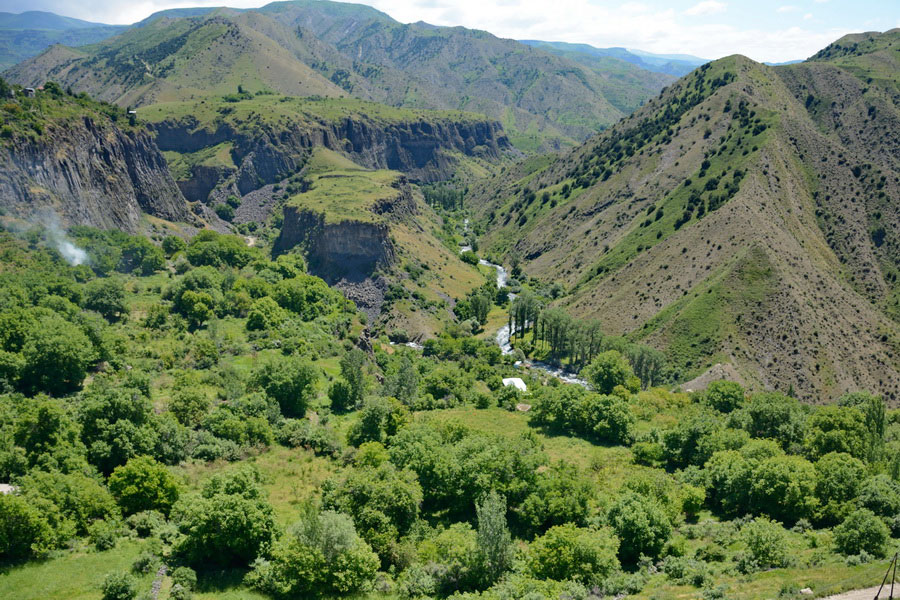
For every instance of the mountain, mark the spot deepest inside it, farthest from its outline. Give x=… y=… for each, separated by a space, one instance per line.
x=83 y=163
x=29 y=33
x=746 y=216
x=668 y=64
x=177 y=59
x=327 y=48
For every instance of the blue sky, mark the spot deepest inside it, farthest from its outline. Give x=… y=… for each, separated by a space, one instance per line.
x=764 y=30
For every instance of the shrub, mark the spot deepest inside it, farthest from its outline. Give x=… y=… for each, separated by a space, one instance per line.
x=570 y=552
x=186 y=577
x=861 y=531
x=608 y=370
x=724 y=396
x=24 y=530
x=103 y=535
x=641 y=524
x=119 y=585
x=767 y=545
x=143 y=484
x=146 y=562
x=290 y=381
x=321 y=554
x=144 y=523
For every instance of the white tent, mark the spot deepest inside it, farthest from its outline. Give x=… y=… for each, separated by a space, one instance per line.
x=516 y=382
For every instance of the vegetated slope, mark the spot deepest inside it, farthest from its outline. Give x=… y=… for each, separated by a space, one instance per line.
x=368 y=233
x=178 y=59
x=27 y=34
x=236 y=145
x=83 y=162
x=748 y=215
x=324 y=48
x=677 y=65
x=543 y=100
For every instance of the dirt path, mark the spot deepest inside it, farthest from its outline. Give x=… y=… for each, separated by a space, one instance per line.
x=866 y=594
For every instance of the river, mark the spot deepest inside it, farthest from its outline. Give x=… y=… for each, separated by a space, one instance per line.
x=502 y=336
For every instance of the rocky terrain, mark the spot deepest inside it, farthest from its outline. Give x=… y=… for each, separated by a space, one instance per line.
x=86 y=170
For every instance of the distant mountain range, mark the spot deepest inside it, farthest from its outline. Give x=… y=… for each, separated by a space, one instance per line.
x=547 y=97
x=29 y=33
x=670 y=64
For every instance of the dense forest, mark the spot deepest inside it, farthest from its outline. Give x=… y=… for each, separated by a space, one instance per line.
x=214 y=420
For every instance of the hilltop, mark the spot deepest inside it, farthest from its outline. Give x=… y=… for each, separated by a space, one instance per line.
x=330 y=49
x=27 y=34
x=744 y=216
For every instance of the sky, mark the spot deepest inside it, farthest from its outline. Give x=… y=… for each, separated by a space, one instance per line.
x=764 y=30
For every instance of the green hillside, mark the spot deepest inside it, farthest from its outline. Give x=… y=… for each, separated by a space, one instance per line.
x=333 y=49
x=743 y=217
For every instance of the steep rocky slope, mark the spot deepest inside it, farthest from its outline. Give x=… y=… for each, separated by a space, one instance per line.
x=748 y=216
x=82 y=162
x=235 y=147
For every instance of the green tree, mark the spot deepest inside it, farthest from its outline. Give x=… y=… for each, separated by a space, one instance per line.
x=189 y=406
x=290 y=381
x=107 y=297
x=143 y=484
x=56 y=356
x=839 y=477
x=608 y=370
x=773 y=415
x=767 y=544
x=641 y=524
x=379 y=419
x=320 y=555
x=881 y=495
x=861 y=531
x=495 y=545
x=560 y=495
x=383 y=501
x=353 y=365
x=24 y=530
x=838 y=429
x=724 y=396
x=229 y=523
x=568 y=552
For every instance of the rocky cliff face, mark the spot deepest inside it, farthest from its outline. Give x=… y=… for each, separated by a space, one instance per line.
x=350 y=255
x=89 y=174
x=423 y=150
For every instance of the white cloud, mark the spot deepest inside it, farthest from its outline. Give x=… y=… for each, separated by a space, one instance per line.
x=599 y=23
x=786 y=8
x=707 y=7
x=807 y=16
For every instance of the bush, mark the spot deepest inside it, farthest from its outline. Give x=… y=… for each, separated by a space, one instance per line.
x=146 y=562
x=145 y=523
x=103 y=535
x=119 y=585
x=569 y=552
x=24 y=530
x=186 y=577
x=143 y=484
x=641 y=524
x=321 y=554
x=862 y=531
x=767 y=545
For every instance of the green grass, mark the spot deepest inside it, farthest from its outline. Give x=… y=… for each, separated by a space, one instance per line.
x=75 y=575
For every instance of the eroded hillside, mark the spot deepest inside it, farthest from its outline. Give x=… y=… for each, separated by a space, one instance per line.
x=748 y=215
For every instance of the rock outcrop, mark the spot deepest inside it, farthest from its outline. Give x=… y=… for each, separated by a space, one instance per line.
x=351 y=255
x=89 y=173
x=423 y=150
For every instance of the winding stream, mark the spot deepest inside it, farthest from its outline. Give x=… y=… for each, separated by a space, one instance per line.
x=502 y=336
